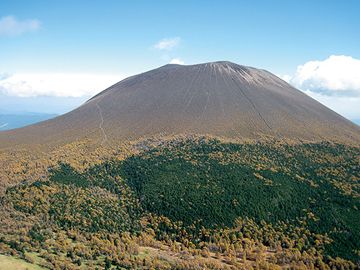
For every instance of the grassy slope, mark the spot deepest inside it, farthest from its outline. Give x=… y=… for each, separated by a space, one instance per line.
x=13 y=263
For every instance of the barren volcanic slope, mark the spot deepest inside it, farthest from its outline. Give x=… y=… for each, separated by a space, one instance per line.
x=220 y=98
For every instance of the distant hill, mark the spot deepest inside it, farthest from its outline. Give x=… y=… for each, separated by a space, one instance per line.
x=219 y=98
x=11 y=121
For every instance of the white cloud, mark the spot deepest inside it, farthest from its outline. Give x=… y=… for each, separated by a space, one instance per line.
x=10 y=26
x=177 y=61
x=348 y=107
x=336 y=75
x=167 y=43
x=334 y=82
x=56 y=84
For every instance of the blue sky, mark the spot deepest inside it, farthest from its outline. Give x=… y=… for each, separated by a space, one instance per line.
x=83 y=46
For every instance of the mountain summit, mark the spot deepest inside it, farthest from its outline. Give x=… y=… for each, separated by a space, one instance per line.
x=217 y=98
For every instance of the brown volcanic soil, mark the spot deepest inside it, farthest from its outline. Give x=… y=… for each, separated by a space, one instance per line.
x=219 y=98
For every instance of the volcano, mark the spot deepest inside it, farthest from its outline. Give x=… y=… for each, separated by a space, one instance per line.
x=217 y=98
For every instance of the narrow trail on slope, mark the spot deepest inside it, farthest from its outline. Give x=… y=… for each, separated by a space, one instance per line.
x=104 y=139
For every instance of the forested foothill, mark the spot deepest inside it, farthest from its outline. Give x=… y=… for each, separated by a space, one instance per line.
x=192 y=203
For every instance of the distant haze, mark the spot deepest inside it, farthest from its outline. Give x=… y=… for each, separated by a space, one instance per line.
x=11 y=121
x=43 y=105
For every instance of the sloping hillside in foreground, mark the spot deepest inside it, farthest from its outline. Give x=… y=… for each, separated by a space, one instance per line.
x=193 y=203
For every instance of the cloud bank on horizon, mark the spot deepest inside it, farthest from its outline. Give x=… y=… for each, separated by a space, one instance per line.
x=25 y=85
x=11 y=26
